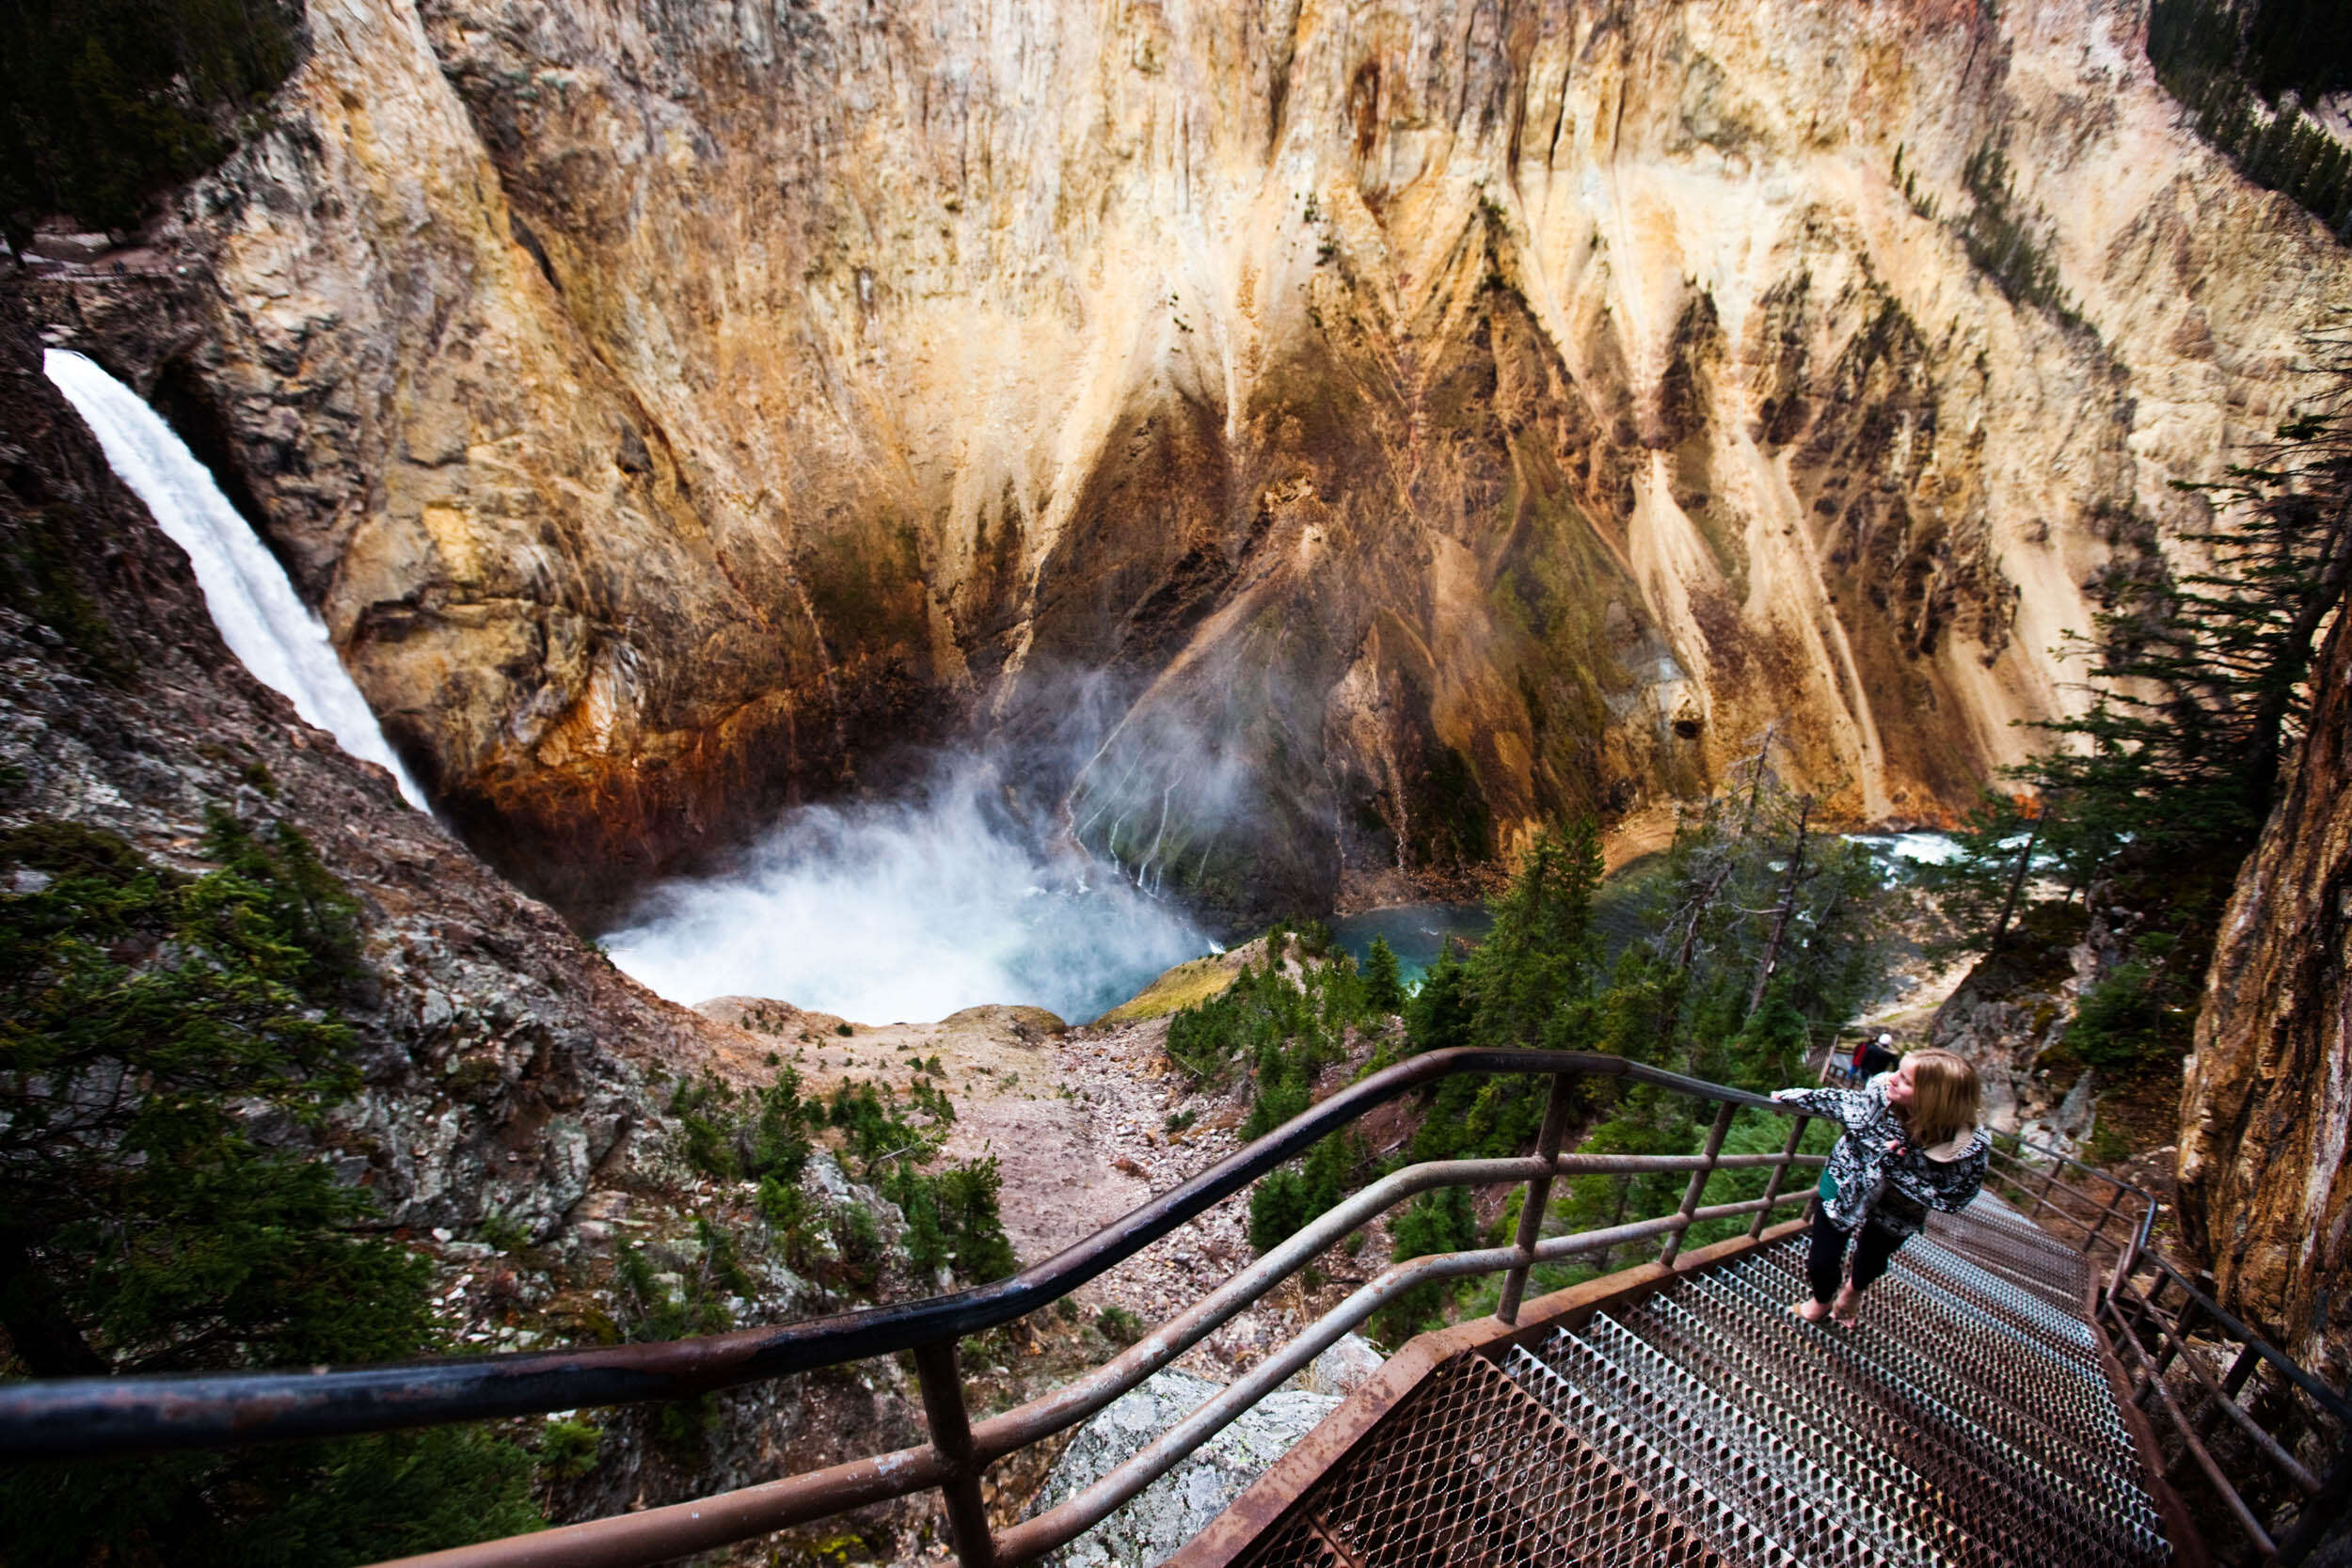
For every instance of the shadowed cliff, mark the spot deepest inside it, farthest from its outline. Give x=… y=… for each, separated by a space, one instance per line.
x=1410 y=422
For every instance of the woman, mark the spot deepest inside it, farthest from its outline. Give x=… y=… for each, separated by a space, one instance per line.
x=1912 y=1144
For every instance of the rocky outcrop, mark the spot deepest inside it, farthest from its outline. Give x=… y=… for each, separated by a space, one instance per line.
x=2265 y=1194
x=1329 y=440
x=514 y=1119
x=504 y=1058
x=1180 y=1505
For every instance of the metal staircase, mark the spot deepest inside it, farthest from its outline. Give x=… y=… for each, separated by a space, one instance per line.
x=1968 y=1419
x=1995 y=1406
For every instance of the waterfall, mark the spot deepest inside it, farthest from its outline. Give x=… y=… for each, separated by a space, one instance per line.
x=263 y=620
x=911 y=908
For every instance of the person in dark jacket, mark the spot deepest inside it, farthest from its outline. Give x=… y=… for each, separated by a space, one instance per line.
x=1874 y=1056
x=1912 y=1144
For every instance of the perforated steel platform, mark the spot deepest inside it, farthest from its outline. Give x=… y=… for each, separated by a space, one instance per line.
x=1967 y=1420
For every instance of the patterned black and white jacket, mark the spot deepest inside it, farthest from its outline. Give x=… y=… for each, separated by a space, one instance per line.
x=1875 y=1174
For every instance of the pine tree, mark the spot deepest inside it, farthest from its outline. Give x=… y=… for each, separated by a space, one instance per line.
x=152 y=1024
x=2204 y=674
x=1384 y=995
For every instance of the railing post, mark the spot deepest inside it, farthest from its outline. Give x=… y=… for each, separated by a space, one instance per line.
x=2124 y=1261
x=2104 y=1214
x=2043 y=1201
x=1772 y=1186
x=1538 y=1197
x=951 y=1435
x=1667 y=1254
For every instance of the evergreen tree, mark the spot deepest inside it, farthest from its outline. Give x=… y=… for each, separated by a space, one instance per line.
x=1439 y=1221
x=2202 y=659
x=104 y=102
x=2202 y=674
x=1537 y=963
x=159 y=1034
x=1983 y=888
x=1384 y=995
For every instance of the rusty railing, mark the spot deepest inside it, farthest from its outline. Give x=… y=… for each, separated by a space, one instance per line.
x=2264 y=1481
x=63 y=1417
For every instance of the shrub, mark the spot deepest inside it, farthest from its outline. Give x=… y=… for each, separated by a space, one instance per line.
x=569 y=1450
x=2128 y=1017
x=149 y=1021
x=1436 y=1222
x=1119 y=1326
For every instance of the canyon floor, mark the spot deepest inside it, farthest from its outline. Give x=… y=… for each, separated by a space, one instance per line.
x=1088 y=1122
x=1079 y=1120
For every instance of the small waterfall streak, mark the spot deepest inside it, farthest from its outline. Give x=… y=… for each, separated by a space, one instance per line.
x=263 y=620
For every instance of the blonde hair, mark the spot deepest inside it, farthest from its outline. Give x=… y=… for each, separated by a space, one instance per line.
x=1945 y=1097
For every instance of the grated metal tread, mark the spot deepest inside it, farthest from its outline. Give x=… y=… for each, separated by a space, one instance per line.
x=1812 y=1428
x=2027 y=1406
x=1478 y=1472
x=1967 y=1422
x=2032 y=1468
x=1808 y=1510
x=2029 y=1515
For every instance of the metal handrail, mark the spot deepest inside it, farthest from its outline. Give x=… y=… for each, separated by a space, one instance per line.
x=58 y=1418
x=2121 y=1310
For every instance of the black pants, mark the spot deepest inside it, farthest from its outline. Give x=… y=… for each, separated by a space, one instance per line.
x=1823 y=1263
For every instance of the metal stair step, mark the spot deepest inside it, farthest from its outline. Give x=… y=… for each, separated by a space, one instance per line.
x=2020 y=1444
x=1473 y=1470
x=1745 y=1455
x=2062 y=1415
x=1801 y=1361
x=2026 y=1499
x=1966 y=1422
x=1736 y=1374
x=1665 y=1474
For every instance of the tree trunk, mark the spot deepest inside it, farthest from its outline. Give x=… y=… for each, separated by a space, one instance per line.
x=1788 y=909
x=1755 y=785
x=42 y=1333
x=2016 y=886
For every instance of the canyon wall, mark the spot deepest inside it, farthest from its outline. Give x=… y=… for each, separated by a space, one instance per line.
x=507 y=1074
x=2266 y=1195
x=1326 y=438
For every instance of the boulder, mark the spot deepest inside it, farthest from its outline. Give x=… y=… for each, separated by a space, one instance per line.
x=1178 y=1506
x=1341 y=1367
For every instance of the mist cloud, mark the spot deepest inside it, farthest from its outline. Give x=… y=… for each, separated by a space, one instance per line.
x=908 y=909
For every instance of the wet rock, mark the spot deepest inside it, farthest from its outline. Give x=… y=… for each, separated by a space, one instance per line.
x=2265 y=1191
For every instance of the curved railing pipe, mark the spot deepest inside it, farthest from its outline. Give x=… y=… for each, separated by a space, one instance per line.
x=68 y=1417
x=89 y=1416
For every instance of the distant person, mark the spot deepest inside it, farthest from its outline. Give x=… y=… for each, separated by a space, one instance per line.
x=1874 y=1056
x=1912 y=1144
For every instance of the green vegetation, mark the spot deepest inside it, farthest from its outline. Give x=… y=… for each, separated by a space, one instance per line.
x=163 y=1038
x=40 y=580
x=1283 y=1032
x=732 y=1137
x=1383 y=993
x=105 y=102
x=952 y=1218
x=2245 y=73
x=1753 y=937
x=2145 y=805
x=2003 y=239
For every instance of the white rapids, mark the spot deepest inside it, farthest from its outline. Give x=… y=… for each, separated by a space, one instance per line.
x=263 y=620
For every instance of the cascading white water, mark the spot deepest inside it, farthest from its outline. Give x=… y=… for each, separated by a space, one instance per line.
x=909 y=909
x=263 y=620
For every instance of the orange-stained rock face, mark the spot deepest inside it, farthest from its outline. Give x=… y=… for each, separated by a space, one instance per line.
x=2266 y=1192
x=1333 y=438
